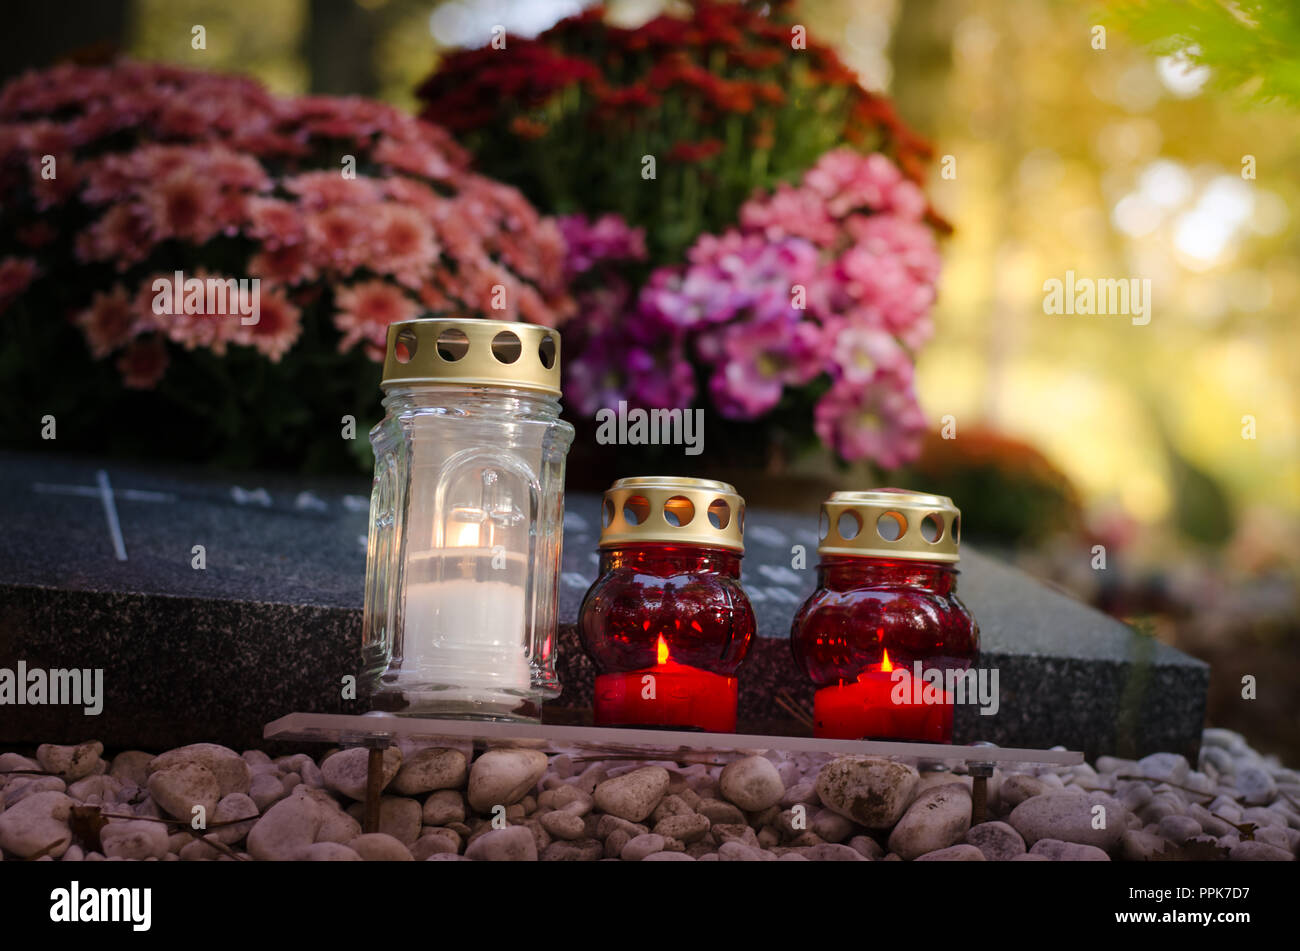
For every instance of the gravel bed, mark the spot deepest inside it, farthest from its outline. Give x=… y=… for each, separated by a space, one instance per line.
x=207 y=802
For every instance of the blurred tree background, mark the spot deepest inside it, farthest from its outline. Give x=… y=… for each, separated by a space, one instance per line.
x=1152 y=140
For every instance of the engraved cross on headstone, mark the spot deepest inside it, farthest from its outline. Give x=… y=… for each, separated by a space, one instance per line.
x=103 y=490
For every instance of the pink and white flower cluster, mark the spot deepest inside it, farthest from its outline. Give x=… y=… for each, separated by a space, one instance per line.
x=825 y=286
x=346 y=210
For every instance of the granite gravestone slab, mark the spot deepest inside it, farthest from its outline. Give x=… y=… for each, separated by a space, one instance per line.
x=100 y=569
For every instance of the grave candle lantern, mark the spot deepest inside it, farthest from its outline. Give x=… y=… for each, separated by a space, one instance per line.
x=667 y=621
x=466 y=516
x=885 y=601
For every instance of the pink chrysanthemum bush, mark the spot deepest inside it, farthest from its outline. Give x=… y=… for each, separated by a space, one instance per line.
x=351 y=215
x=806 y=314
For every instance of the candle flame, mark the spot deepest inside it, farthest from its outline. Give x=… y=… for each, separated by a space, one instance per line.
x=661 y=651
x=885 y=665
x=466 y=535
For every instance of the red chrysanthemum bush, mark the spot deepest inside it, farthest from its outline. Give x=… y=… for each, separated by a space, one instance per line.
x=727 y=97
x=349 y=213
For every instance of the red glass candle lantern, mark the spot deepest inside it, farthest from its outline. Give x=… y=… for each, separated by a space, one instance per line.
x=884 y=626
x=667 y=621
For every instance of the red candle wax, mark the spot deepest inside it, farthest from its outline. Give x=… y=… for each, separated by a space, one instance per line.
x=883 y=704
x=669 y=695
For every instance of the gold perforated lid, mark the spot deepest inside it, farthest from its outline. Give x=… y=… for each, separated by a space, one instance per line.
x=675 y=510
x=473 y=352
x=891 y=523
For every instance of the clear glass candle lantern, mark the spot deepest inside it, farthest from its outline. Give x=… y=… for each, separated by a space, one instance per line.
x=667 y=621
x=885 y=611
x=466 y=521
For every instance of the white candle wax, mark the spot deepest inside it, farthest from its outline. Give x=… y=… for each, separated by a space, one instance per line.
x=467 y=632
